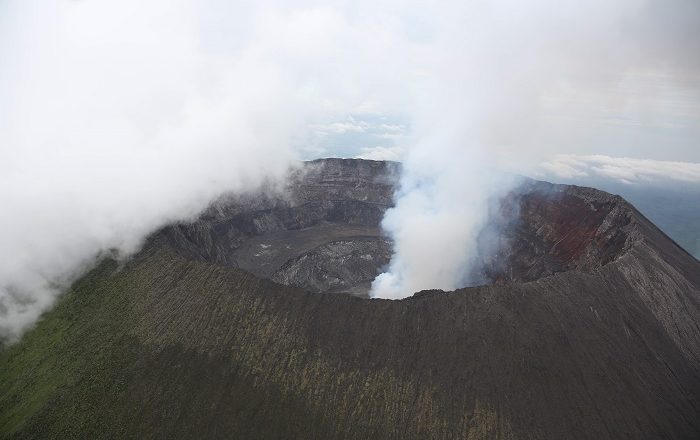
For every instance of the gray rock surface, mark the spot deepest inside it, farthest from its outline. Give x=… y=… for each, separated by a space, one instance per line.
x=321 y=231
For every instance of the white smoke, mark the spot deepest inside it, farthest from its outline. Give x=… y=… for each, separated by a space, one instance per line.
x=498 y=66
x=115 y=122
x=118 y=117
x=440 y=210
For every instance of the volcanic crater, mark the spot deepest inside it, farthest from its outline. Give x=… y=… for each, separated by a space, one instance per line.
x=322 y=231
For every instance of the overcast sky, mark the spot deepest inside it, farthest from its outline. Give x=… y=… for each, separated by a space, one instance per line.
x=116 y=117
x=618 y=80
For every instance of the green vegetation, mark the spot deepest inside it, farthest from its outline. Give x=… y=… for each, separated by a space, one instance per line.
x=59 y=375
x=164 y=348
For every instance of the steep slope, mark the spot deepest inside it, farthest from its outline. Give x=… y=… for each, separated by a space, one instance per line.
x=599 y=341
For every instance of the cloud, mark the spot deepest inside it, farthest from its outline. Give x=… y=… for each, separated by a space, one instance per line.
x=117 y=118
x=622 y=169
x=381 y=153
x=116 y=123
x=340 y=127
x=368 y=135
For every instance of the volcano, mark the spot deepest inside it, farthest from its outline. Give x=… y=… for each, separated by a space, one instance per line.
x=254 y=322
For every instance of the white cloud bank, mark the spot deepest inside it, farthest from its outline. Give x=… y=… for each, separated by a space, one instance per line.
x=622 y=169
x=117 y=117
x=115 y=122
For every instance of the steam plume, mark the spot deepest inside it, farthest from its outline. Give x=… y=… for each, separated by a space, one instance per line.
x=486 y=105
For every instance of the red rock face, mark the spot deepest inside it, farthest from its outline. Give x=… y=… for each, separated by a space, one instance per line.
x=541 y=229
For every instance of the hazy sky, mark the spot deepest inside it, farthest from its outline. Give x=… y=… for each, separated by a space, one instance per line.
x=116 y=117
x=594 y=78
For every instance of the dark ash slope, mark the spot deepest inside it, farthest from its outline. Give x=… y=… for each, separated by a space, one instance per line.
x=588 y=331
